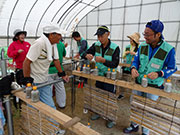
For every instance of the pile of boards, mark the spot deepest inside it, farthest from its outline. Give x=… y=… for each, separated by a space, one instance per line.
x=161 y=116
x=101 y=102
x=33 y=122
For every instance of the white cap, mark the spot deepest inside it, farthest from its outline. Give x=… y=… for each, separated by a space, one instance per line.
x=52 y=29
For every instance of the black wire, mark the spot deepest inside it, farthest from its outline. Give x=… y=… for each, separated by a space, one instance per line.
x=172 y=117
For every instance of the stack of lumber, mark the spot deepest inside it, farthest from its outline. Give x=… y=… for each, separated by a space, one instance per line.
x=101 y=102
x=36 y=123
x=161 y=116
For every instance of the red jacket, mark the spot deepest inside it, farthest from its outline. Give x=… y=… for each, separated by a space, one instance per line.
x=12 y=52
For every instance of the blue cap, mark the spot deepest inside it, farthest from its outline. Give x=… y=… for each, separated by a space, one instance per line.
x=101 y=30
x=156 y=26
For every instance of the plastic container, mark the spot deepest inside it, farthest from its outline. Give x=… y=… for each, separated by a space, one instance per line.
x=108 y=73
x=168 y=86
x=89 y=125
x=95 y=72
x=113 y=75
x=88 y=69
x=144 y=82
x=28 y=90
x=34 y=95
x=84 y=68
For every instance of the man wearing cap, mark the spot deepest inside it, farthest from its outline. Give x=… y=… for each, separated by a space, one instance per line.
x=37 y=62
x=106 y=55
x=156 y=59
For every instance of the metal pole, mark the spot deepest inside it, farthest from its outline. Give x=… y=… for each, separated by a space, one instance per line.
x=3 y=67
x=3 y=63
x=9 y=115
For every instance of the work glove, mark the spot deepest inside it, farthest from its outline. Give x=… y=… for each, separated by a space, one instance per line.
x=26 y=80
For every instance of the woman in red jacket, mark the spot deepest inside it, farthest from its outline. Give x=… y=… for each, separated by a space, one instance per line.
x=17 y=51
x=18 y=48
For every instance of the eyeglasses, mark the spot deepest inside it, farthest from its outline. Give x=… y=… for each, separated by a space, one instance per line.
x=146 y=35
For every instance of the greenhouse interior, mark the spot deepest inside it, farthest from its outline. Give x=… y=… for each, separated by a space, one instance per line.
x=89 y=67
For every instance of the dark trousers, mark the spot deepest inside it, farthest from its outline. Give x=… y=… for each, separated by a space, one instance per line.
x=105 y=86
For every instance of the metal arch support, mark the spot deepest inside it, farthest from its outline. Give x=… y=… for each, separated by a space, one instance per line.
x=29 y=14
x=59 y=10
x=66 y=11
x=78 y=13
x=89 y=12
x=43 y=16
x=10 y=21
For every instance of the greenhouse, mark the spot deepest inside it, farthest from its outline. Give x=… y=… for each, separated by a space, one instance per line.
x=89 y=67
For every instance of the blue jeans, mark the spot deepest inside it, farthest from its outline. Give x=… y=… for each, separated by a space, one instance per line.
x=46 y=95
x=149 y=96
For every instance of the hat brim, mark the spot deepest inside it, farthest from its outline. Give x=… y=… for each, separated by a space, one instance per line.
x=133 y=39
x=24 y=32
x=99 y=33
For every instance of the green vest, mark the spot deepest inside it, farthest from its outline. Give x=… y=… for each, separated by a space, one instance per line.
x=62 y=53
x=129 y=58
x=79 y=43
x=155 y=64
x=102 y=69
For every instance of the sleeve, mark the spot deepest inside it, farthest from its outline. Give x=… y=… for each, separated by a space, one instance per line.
x=115 y=59
x=34 y=51
x=169 y=64
x=83 y=47
x=64 y=50
x=12 y=52
x=136 y=62
x=91 y=50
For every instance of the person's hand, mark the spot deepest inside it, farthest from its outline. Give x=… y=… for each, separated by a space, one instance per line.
x=134 y=73
x=66 y=44
x=20 y=50
x=89 y=56
x=132 y=53
x=65 y=78
x=100 y=59
x=152 y=75
x=76 y=57
x=127 y=52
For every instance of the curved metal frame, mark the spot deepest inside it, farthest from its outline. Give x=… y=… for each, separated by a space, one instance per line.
x=67 y=10
x=42 y=17
x=59 y=10
x=77 y=14
x=90 y=11
x=10 y=21
x=67 y=13
x=29 y=14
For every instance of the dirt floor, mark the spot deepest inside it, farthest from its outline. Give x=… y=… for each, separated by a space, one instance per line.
x=98 y=125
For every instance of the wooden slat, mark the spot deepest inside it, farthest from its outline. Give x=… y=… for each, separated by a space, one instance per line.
x=61 y=118
x=129 y=85
x=124 y=65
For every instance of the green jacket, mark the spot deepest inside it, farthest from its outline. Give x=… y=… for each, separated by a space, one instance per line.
x=107 y=55
x=62 y=53
x=155 y=64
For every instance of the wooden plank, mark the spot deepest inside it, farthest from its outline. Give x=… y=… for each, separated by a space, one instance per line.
x=124 y=65
x=61 y=118
x=71 y=122
x=129 y=85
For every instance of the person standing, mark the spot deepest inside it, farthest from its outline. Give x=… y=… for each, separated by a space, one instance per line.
x=131 y=50
x=82 y=48
x=17 y=51
x=59 y=87
x=36 y=64
x=156 y=59
x=106 y=55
